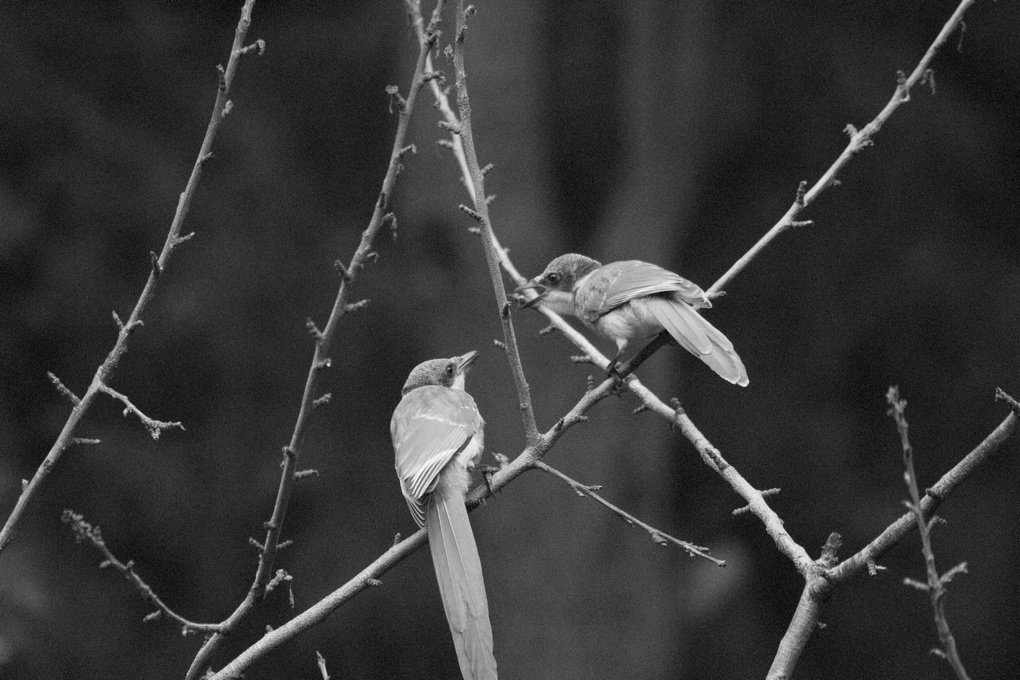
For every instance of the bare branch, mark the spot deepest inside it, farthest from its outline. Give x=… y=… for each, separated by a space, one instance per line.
x=159 y=265
x=936 y=585
x=323 y=348
x=84 y=531
x=658 y=536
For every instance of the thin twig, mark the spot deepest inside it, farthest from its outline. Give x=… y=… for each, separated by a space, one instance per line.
x=658 y=536
x=173 y=238
x=321 y=355
x=87 y=532
x=482 y=215
x=936 y=586
x=859 y=139
x=155 y=427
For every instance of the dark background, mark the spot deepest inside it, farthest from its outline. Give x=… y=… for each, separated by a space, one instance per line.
x=671 y=132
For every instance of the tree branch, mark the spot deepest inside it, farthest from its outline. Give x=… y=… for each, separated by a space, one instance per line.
x=658 y=536
x=323 y=346
x=482 y=216
x=106 y=370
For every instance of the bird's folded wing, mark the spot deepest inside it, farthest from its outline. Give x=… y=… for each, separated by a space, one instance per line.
x=429 y=427
x=620 y=282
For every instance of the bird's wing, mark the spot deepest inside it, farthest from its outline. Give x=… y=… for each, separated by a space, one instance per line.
x=429 y=427
x=617 y=283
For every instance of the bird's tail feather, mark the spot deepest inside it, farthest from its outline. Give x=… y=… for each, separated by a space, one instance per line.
x=695 y=334
x=459 y=572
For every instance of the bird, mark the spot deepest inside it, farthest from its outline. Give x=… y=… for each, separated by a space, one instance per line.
x=438 y=436
x=634 y=300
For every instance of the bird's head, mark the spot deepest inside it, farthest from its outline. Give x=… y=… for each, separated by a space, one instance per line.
x=443 y=372
x=555 y=285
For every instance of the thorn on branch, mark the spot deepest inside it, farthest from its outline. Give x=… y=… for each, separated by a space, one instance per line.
x=505 y=311
x=548 y=330
x=228 y=106
x=391 y=219
x=582 y=359
x=394 y=92
x=486 y=169
x=489 y=199
x=83 y=440
x=155 y=427
x=873 y=567
x=410 y=148
x=181 y=239
x=801 y=190
x=259 y=45
x=323 y=400
x=255 y=544
x=62 y=389
x=342 y=271
x=499 y=343
x=850 y=130
x=305 y=474
x=152 y=616
x=915 y=584
x=446 y=125
x=221 y=78
x=901 y=86
x=447 y=143
x=356 y=306
x=1014 y=405
x=323 y=364
x=640 y=409
x=802 y=223
x=372 y=256
x=589 y=384
x=313 y=330
x=928 y=78
x=157 y=269
x=374 y=582
x=396 y=538
x=471 y=213
x=283 y=545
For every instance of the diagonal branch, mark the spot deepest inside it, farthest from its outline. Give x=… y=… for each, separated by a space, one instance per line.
x=106 y=370
x=84 y=531
x=481 y=213
x=323 y=346
x=658 y=536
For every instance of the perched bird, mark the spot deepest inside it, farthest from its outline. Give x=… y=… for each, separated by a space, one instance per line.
x=634 y=300
x=438 y=437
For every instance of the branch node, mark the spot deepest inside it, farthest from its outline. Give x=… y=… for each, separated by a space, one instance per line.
x=455 y=129
x=396 y=538
x=63 y=390
x=324 y=364
x=471 y=213
x=313 y=330
x=1014 y=405
x=391 y=219
x=157 y=268
x=801 y=190
x=356 y=306
x=394 y=92
x=342 y=271
x=323 y=400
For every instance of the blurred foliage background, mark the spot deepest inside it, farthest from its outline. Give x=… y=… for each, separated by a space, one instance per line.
x=671 y=132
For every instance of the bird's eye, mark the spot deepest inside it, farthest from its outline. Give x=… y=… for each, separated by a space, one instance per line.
x=449 y=369
x=553 y=278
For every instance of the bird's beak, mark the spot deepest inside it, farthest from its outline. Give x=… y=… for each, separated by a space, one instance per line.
x=531 y=285
x=464 y=361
